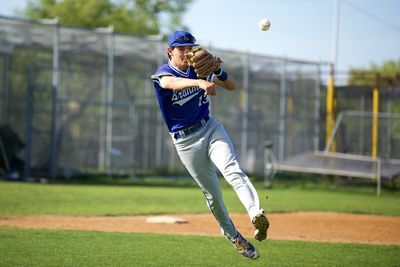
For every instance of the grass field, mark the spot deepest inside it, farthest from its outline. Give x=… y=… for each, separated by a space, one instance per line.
x=72 y=199
x=83 y=248
x=24 y=247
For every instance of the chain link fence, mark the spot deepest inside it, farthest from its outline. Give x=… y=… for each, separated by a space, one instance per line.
x=82 y=101
x=354 y=133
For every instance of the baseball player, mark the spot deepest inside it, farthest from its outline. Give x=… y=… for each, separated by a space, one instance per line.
x=201 y=141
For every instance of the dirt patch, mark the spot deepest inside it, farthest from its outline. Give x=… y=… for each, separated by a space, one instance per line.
x=307 y=226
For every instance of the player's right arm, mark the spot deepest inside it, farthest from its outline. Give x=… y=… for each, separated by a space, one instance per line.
x=177 y=83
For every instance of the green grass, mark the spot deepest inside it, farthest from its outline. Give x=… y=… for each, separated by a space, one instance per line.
x=24 y=247
x=18 y=199
x=21 y=247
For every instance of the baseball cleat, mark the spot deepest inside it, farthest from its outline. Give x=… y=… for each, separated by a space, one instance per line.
x=244 y=247
x=261 y=224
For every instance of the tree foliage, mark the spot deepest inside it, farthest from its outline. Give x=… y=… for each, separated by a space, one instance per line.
x=389 y=70
x=139 y=17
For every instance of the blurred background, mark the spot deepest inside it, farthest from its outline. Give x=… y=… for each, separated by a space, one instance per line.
x=76 y=96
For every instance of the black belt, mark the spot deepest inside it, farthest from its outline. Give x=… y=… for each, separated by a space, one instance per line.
x=191 y=129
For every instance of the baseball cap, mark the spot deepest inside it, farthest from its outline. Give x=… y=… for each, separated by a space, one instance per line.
x=181 y=38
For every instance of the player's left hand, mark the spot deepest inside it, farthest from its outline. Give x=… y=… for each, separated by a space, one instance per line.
x=203 y=62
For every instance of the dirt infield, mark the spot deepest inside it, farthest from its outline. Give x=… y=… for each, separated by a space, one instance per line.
x=307 y=226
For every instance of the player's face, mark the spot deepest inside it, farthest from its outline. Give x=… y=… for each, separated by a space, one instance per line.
x=177 y=55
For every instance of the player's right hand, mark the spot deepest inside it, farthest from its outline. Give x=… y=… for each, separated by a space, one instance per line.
x=207 y=86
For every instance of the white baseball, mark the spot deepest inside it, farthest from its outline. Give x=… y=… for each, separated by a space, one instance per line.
x=264 y=24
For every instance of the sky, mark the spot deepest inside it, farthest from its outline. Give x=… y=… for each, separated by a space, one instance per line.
x=369 y=30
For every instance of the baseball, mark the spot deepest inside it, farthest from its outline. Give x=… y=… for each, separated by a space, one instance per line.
x=264 y=24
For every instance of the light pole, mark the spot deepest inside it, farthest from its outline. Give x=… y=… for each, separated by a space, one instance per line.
x=330 y=92
x=335 y=34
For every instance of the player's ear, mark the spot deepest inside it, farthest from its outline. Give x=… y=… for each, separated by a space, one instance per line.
x=169 y=51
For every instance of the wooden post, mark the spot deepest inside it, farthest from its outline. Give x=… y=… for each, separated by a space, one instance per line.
x=330 y=119
x=375 y=110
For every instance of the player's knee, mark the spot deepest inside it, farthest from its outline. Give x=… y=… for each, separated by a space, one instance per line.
x=231 y=168
x=237 y=179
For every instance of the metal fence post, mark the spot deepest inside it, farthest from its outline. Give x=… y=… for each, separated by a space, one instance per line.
x=378 y=176
x=55 y=88
x=133 y=123
x=317 y=106
x=102 y=125
x=361 y=127
x=109 y=97
x=282 y=111
x=245 y=110
x=146 y=128
x=159 y=138
x=28 y=126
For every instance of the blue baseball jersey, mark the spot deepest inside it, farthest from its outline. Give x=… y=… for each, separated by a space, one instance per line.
x=180 y=108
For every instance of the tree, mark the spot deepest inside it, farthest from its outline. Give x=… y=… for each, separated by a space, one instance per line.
x=366 y=76
x=139 y=17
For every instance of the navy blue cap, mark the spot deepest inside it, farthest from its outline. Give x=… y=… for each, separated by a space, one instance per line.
x=181 y=38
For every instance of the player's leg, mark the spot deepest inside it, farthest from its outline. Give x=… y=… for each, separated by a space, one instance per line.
x=193 y=154
x=222 y=153
x=198 y=164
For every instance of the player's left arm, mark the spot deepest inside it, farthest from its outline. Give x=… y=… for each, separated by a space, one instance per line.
x=229 y=83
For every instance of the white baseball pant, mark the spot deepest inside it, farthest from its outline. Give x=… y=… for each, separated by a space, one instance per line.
x=200 y=152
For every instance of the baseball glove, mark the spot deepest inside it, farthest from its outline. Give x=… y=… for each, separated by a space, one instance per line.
x=202 y=61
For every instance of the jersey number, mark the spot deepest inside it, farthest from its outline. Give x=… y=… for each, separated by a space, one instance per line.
x=203 y=99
